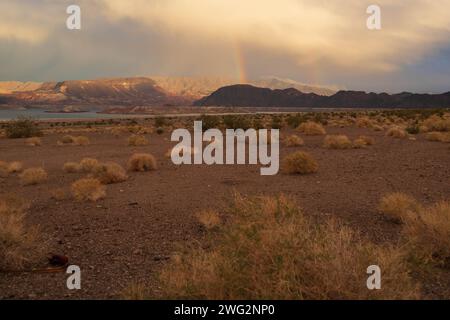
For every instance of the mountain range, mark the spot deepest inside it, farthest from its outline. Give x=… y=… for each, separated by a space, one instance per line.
x=135 y=91
x=144 y=92
x=251 y=96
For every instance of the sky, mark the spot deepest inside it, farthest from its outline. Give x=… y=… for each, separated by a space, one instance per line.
x=324 y=42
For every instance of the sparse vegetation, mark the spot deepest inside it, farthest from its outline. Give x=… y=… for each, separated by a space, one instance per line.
x=252 y=258
x=300 y=163
x=312 y=129
x=142 y=162
x=33 y=176
x=337 y=142
x=88 y=189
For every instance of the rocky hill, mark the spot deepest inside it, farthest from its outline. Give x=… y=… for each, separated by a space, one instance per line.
x=250 y=96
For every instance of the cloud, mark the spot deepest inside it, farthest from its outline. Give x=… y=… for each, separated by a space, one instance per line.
x=313 y=31
x=309 y=40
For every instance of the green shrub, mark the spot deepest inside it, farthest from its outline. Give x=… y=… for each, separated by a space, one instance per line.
x=22 y=128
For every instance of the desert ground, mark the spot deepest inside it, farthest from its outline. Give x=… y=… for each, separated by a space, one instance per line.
x=128 y=237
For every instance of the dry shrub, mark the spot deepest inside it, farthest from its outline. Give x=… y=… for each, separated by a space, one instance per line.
x=436 y=123
x=438 y=136
x=19 y=245
x=364 y=122
x=294 y=141
x=34 y=142
x=312 y=129
x=398 y=206
x=363 y=141
x=33 y=176
x=337 y=142
x=66 y=140
x=71 y=167
x=81 y=141
x=88 y=165
x=142 y=162
x=137 y=140
x=397 y=132
x=209 y=219
x=88 y=189
x=426 y=230
x=15 y=166
x=300 y=163
x=271 y=250
x=428 y=233
x=109 y=173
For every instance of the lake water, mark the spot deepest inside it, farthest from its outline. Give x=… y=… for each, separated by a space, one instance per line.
x=40 y=114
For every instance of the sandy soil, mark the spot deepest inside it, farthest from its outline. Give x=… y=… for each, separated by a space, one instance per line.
x=129 y=236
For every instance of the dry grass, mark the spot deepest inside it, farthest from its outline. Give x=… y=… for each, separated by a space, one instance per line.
x=252 y=258
x=209 y=219
x=397 y=132
x=300 y=163
x=438 y=136
x=363 y=141
x=19 y=245
x=33 y=176
x=293 y=141
x=312 y=129
x=137 y=140
x=109 y=173
x=428 y=233
x=399 y=206
x=34 y=142
x=426 y=230
x=142 y=162
x=71 y=167
x=337 y=142
x=88 y=165
x=88 y=189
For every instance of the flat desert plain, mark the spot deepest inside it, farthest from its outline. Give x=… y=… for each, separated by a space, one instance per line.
x=129 y=236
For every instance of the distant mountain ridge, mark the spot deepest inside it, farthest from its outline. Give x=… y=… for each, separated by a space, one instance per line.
x=251 y=96
x=132 y=91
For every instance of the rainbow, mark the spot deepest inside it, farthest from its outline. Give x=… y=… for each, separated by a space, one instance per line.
x=239 y=57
